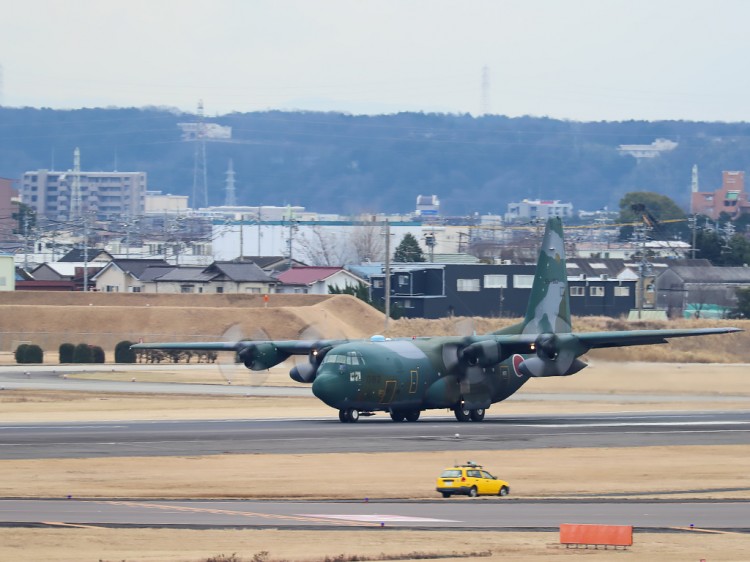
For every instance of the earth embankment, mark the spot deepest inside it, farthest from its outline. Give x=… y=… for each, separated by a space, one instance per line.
x=49 y=319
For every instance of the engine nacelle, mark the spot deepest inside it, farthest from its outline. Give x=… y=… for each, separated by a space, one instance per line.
x=484 y=353
x=537 y=367
x=261 y=356
x=304 y=372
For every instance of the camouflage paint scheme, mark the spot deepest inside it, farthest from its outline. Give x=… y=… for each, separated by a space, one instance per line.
x=465 y=374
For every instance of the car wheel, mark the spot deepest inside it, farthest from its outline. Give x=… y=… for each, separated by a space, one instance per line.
x=473 y=492
x=462 y=414
x=477 y=415
x=504 y=491
x=446 y=495
x=412 y=415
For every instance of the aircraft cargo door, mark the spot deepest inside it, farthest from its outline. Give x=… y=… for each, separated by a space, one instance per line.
x=388 y=392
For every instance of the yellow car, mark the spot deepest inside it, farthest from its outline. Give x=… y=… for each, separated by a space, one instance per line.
x=470 y=480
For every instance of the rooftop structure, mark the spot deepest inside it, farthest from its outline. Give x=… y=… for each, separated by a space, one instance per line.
x=647 y=150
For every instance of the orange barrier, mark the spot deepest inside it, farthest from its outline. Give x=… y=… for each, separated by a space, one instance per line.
x=596 y=535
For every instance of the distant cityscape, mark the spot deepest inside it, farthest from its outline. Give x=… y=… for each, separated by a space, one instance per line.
x=108 y=231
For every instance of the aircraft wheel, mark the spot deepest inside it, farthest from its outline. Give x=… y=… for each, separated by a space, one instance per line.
x=352 y=415
x=397 y=416
x=342 y=416
x=462 y=414
x=412 y=415
x=477 y=415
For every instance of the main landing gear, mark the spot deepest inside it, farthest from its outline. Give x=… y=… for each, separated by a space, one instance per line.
x=464 y=414
x=405 y=415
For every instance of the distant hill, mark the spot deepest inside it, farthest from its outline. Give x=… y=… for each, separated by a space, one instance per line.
x=338 y=163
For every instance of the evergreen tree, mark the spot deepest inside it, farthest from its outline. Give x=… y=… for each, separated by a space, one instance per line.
x=409 y=250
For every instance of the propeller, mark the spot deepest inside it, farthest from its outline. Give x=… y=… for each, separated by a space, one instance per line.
x=306 y=366
x=556 y=356
x=231 y=363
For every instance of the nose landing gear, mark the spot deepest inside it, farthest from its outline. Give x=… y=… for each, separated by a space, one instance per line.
x=349 y=415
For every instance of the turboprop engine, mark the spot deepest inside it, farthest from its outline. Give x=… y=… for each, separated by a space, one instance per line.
x=306 y=372
x=261 y=356
x=556 y=356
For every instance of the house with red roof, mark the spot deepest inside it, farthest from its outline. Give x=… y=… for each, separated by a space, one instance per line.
x=316 y=280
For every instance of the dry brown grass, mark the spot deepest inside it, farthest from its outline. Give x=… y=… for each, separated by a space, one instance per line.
x=68 y=545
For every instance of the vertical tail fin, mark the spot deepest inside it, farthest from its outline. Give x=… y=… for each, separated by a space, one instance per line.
x=549 y=305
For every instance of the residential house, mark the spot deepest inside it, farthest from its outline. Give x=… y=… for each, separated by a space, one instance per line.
x=316 y=280
x=271 y=264
x=87 y=255
x=78 y=273
x=124 y=276
x=700 y=292
x=219 y=277
x=7 y=273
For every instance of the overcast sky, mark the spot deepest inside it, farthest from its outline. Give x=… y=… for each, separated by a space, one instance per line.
x=572 y=59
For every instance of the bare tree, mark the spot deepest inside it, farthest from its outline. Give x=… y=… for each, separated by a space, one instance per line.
x=321 y=247
x=368 y=243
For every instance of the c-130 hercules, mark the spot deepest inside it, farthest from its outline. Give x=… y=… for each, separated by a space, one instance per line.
x=465 y=374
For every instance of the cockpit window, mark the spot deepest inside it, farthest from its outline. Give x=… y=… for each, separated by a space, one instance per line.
x=349 y=358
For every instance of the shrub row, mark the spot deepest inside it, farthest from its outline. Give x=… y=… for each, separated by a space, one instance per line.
x=70 y=353
x=81 y=353
x=29 y=353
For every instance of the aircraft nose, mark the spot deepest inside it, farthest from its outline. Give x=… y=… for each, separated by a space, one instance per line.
x=328 y=388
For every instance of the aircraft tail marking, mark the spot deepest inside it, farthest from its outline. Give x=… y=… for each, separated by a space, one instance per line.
x=549 y=305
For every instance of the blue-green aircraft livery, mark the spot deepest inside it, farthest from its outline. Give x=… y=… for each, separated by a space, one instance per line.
x=468 y=374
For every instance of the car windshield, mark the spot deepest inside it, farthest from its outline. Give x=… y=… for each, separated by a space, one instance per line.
x=450 y=474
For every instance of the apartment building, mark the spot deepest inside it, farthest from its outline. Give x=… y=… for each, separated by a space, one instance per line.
x=68 y=195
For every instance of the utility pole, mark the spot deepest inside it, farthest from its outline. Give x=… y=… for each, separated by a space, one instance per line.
x=86 y=253
x=694 y=222
x=644 y=268
x=387 y=284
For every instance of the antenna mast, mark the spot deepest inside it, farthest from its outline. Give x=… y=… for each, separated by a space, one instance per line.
x=200 y=174
x=230 y=199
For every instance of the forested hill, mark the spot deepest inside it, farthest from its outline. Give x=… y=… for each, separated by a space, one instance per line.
x=338 y=163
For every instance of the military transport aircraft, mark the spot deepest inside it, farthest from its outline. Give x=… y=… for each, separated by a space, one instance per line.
x=465 y=374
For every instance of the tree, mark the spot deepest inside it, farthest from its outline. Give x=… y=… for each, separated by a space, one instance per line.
x=655 y=210
x=743 y=302
x=123 y=353
x=408 y=250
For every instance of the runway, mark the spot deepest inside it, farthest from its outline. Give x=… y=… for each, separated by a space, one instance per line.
x=377 y=434
x=454 y=514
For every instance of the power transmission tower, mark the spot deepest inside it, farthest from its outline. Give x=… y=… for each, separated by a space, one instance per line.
x=200 y=173
x=230 y=199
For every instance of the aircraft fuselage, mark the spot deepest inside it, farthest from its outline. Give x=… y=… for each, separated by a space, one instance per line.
x=407 y=375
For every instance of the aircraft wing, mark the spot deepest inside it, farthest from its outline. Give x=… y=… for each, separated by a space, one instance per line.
x=256 y=355
x=593 y=340
x=290 y=347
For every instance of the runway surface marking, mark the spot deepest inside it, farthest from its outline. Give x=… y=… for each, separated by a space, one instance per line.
x=61 y=524
x=711 y=531
x=381 y=518
x=302 y=518
x=634 y=424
